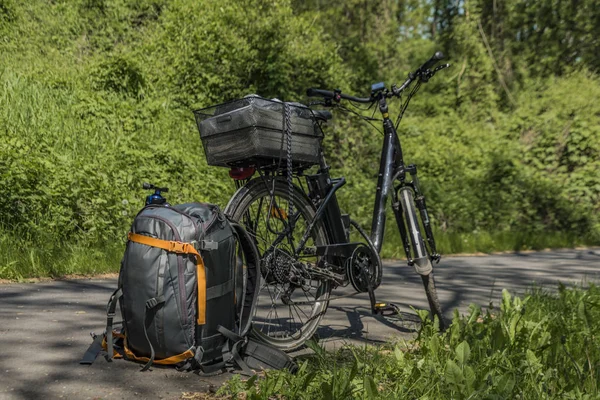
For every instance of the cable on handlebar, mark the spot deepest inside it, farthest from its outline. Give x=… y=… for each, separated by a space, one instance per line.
x=369 y=120
x=403 y=108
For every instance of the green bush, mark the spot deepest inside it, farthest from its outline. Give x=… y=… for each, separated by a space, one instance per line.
x=97 y=97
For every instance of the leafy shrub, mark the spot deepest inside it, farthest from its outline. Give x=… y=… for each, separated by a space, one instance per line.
x=542 y=346
x=118 y=74
x=7 y=12
x=97 y=96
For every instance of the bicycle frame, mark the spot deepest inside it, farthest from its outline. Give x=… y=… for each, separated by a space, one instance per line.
x=391 y=169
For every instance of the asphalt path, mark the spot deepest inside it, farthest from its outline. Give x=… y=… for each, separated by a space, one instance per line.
x=44 y=327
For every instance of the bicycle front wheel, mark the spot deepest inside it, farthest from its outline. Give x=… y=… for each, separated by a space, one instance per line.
x=292 y=300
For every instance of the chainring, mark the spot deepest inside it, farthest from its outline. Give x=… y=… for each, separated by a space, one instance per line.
x=361 y=268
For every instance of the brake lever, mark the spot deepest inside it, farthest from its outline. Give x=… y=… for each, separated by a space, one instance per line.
x=428 y=74
x=440 y=67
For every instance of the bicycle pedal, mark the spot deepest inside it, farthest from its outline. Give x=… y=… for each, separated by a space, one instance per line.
x=386 y=309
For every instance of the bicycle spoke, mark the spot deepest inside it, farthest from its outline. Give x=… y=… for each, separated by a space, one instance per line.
x=284 y=273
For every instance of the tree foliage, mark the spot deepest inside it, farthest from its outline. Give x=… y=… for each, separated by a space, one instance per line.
x=97 y=97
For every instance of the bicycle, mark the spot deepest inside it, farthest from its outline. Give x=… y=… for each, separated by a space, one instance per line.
x=305 y=241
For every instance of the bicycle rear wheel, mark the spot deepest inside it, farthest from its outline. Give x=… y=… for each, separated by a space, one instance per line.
x=291 y=300
x=420 y=254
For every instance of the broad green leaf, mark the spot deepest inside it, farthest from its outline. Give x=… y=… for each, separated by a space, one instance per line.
x=531 y=357
x=463 y=352
x=370 y=387
x=505 y=300
x=512 y=329
x=581 y=312
x=250 y=382
x=399 y=354
x=469 y=374
x=327 y=391
x=423 y=315
x=505 y=384
x=434 y=345
x=308 y=378
x=453 y=373
x=474 y=314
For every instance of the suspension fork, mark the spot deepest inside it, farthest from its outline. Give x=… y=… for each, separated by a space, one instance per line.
x=406 y=201
x=422 y=207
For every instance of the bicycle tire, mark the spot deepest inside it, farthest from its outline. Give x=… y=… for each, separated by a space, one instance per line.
x=420 y=250
x=239 y=208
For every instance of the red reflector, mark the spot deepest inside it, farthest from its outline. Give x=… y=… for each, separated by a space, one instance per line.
x=241 y=173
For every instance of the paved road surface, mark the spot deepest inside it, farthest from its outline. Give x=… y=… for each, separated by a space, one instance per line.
x=44 y=327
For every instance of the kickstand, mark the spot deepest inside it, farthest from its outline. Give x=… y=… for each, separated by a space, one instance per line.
x=384 y=309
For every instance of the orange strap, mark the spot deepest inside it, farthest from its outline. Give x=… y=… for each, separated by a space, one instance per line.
x=180 y=248
x=176 y=359
x=165 y=361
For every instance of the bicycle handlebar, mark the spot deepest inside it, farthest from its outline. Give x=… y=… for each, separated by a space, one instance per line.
x=423 y=71
x=336 y=96
x=432 y=61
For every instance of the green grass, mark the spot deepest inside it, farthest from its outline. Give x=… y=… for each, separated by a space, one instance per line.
x=542 y=346
x=489 y=242
x=23 y=259
x=20 y=259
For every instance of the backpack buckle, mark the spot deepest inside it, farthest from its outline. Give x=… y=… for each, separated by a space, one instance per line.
x=198 y=354
x=177 y=247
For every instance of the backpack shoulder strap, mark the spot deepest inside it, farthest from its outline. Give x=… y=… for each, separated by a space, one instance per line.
x=110 y=315
x=99 y=340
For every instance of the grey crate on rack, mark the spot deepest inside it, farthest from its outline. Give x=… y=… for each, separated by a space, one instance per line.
x=249 y=132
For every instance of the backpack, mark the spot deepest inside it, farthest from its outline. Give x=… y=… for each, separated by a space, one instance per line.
x=187 y=289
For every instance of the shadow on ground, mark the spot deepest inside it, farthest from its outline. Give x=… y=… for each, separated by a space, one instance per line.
x=45 y=327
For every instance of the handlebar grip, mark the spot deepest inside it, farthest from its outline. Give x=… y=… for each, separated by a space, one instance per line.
x=432 y=61
x=328 y=94
x=147 y=186
x=311 y=92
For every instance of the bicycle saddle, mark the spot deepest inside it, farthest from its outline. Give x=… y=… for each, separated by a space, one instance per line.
x=322 y=115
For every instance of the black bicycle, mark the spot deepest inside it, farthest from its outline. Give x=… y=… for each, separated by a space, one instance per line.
x=308 y=246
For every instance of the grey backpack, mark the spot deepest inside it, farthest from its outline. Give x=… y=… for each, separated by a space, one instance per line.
x=187 y=289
